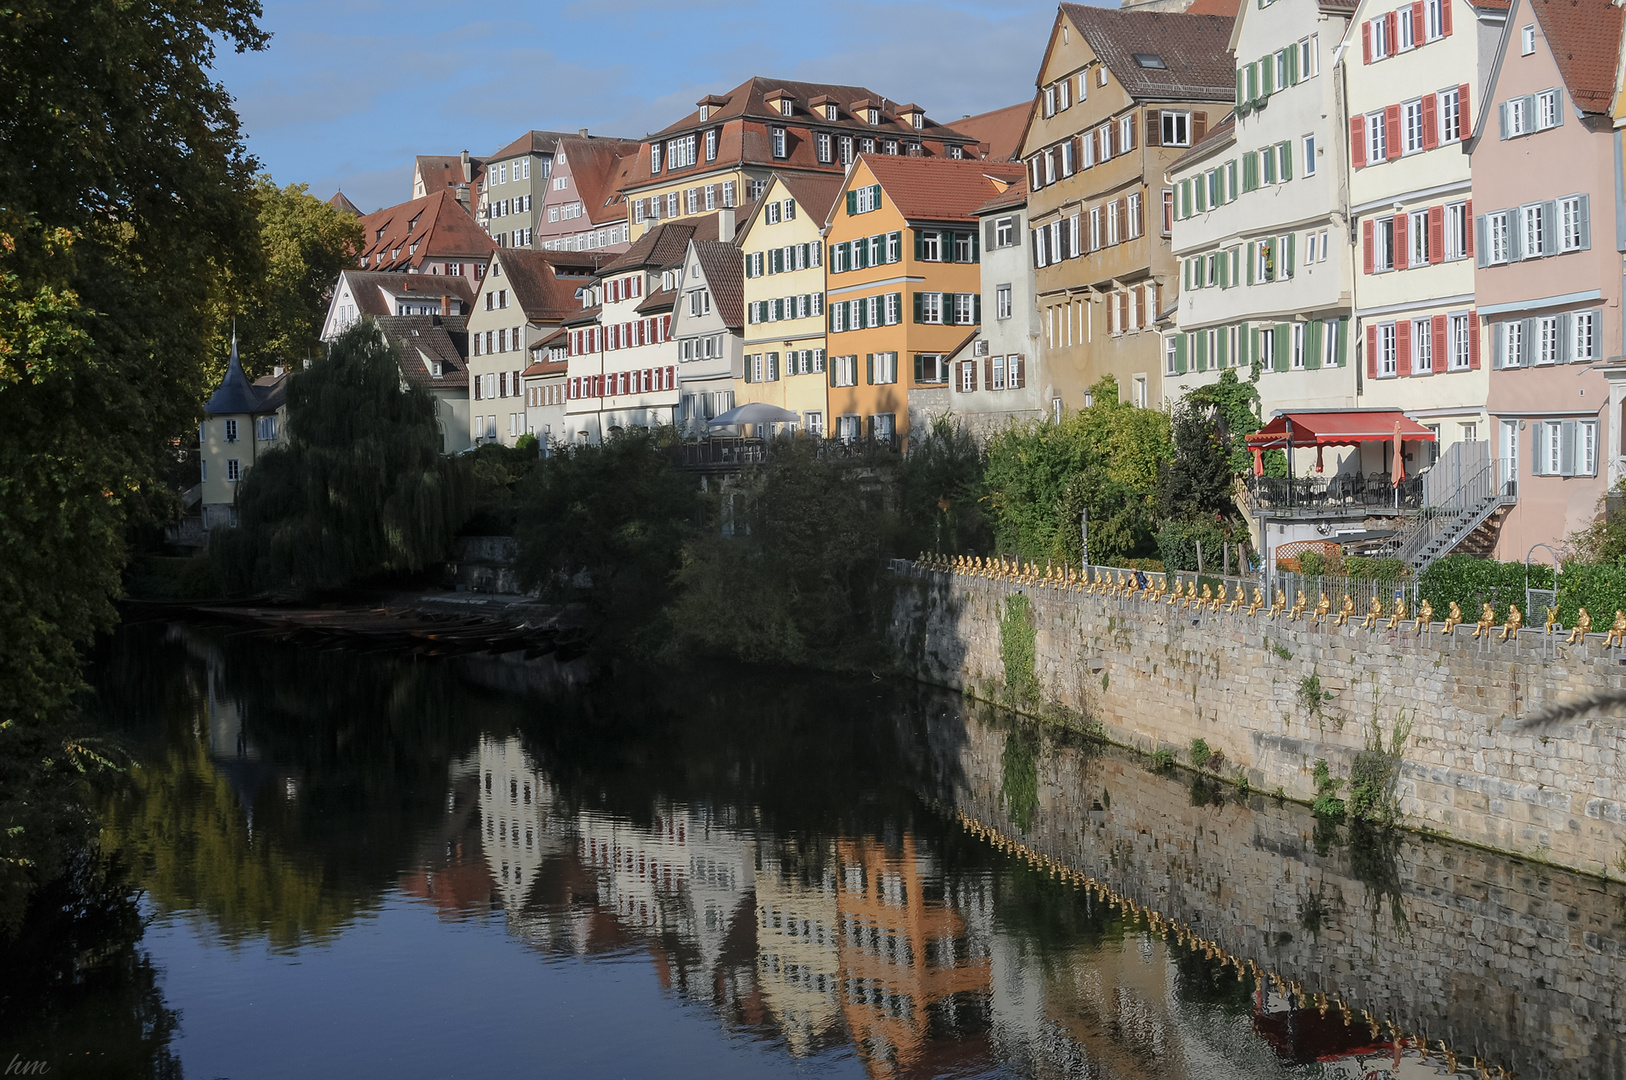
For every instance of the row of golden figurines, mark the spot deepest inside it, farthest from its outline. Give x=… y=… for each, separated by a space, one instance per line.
x=1185 y=936
x=1126 y=584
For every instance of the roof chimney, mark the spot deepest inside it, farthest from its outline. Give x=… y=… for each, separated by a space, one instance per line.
x=725 y=224
x=445 y=306
x=468 y=169
x=582 y=132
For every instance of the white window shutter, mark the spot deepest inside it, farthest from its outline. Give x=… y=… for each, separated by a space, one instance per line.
x=1549 y=228
x=1566 y=448
x=1501 y=119
x=1481 y=248
x=1584 y=216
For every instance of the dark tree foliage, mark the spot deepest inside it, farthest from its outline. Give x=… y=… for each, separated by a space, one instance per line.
x=940 y=492
x=360 y=488
x=605 y=525
x=1209 y=427
x=795 y=581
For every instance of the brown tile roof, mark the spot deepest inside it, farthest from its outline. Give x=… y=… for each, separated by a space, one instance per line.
x=665 y=244
x=1584 y=36
x=1227 y=8
x=725 y=276
x=544 y=368
x=937 y=189
x=437 y=223
x=749 y=100
x=420 y=338
x=542 y=283
x=369 y=288
x=443 y=171
x=1194 y=49
x=598 y=165
x=999 y=131
x=814 y=194
x=659 y=300
x=1218 y=135
x=343 y=205
x=1015 y=195
x=532 y=142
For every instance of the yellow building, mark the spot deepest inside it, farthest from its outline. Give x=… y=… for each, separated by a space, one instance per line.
x=783 y=249
x=243 y=421
x=904 y=285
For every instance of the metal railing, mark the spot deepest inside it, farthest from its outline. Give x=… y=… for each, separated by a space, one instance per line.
x=726 y=453
x=1339 y=493
x=1480 y=489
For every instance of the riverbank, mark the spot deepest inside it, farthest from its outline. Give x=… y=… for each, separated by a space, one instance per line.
x=1272 y=695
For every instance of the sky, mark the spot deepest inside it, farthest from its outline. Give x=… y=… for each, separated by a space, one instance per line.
x=349 y=91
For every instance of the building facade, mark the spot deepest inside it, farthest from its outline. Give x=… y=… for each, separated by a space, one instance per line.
x=1258 y=223
x=581 y=208
x=904 y=287
x=707 y=320
x=724 y=153
x=242 y=421
x=1121 y=95
x=782 y=247
x=544 y=384
x=1547 y=192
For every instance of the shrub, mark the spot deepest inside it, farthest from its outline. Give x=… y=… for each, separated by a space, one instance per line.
x=1327 y=806
x=1471 y=581
x=1162 y=761
x=1177 y=544
x=1200 y=753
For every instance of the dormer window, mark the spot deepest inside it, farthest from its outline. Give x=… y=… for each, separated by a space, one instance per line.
x=705 y=113
x=654 y=158
x=831 y=112
x=919 y=121
x=413 y=224
x=872 y=116
x=786 y=106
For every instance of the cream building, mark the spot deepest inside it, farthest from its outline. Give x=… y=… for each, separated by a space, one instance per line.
x=706 y=322
x=243 y=421
x=782 y=247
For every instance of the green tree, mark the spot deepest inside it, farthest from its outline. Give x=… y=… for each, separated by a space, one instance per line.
x=941 y=486
x=605 y=525
x=360 y=488
x=306 y=243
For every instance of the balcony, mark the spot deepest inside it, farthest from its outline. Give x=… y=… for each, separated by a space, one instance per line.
x=1341 y=495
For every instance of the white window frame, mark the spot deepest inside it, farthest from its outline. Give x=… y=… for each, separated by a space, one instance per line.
x=1002 y=301
x=1388 y=354
x=1422 y=346
x=1176 y=124
x=1458 y=343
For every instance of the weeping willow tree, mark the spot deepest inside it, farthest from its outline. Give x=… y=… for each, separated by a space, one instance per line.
x=359 y=489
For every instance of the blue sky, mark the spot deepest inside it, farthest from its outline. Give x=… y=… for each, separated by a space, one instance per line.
x=350 y=90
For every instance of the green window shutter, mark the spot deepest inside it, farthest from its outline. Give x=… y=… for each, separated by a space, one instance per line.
x=1225 y=270
x=1241 y=89
x=1224 y=357
x=1343 y=342
x=919 y=308
x=920 y=368
x=976 y=308
x=1284 y=342
x=852 y=203
x=1253 y=259
x=1293 y=65
x=1187 y=269
x=1182 y=343
x=869 y=368
x=1202 y=350
x=920 y=247
x=748 y=267
x=1313 y=338
x=1285 y=157
x=1287 y=256
x=875 y=195
x=830 y=370
x=947 y=300
x=1185 y=198
x=1253 y=345
x=976 y=253
x=945 y=246
x=1267 y=77
x=1270 y=259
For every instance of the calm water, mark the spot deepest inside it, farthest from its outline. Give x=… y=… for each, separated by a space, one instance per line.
x=363 y=865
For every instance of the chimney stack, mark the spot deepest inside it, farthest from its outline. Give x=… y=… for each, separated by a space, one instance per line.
x=445 y=306
x=725 y=224
x=468 y=169
x=582 y=132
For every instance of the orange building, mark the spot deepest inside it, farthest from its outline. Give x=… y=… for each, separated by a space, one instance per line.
x=903 y=284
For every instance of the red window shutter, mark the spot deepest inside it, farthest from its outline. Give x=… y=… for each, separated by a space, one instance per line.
x=1366 y=245
x=1391 y=128
x=1431 y=123
x=1465 y=118
x=1394 y=29
x=1403 y=346
x=1445 y=16
x=1366 y=42
x=1402 y=252
x=1357 y=141
x=1437 y=332
x=1468 y=212
x=1436 y=233
x=1473 y=340
x=1417 y=21
x=1372 y=351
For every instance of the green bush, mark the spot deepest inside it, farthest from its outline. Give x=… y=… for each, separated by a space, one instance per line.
x=1472 y=581
x=1327 y=806
x=1177 y=544
x=1200 y=753
x=1312 y=563
x=1162 y=761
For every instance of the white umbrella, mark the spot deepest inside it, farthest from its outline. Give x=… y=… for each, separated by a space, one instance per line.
x=758 y=412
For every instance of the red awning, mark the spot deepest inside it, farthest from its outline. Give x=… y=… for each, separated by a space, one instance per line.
x=1338 y=429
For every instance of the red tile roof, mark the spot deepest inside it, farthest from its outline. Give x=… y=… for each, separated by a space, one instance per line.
x=1015 y=195
x=1227 y=8
x=665 y=244
x=544 y=283
x=597 y=167
x=935 y=189
x=422 y=340
x=814 y=194
x=999 y=131
x=1194 y=50
x=443 y=171
x=343 y=205
x=436 y=223
x=725 y=277
x=1218 y=135
x=371 y=289
x=532 y=142
x=659 y=300
x=1584 y=36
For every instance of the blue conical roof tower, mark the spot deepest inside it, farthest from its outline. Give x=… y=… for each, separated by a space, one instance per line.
x=236 y=393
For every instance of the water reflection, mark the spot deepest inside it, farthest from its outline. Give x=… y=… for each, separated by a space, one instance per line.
x=867 y=878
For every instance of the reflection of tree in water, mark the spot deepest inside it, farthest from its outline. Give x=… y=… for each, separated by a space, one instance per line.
x=1020 y=768
x=1374 y=859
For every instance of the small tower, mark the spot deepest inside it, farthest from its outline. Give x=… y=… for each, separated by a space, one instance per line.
x=242 y=421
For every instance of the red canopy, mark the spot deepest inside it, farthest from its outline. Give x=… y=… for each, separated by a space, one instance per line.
x=1339 y=429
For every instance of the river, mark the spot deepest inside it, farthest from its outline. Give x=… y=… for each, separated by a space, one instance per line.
x=357 y=864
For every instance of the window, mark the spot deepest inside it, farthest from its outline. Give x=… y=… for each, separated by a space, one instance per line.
x=1422 y=346
x=1434 y=19
x=883 y=368
x=1527 y=40
x=1385 y=339
x=1168 y=211
x=1461 y=347
x=1377 y=138
x=931 y=307
x=931 y=249
x=266 y=428
x=1176 y=129
x=1417 y=253
x=845 y=143
x=1005 y=232
x=823 y=145
x=1411 y=125
x=962 y=247
x=815 y=420
x=1498 y=246
x=1267 y=347
x=849 y=427
x=844 y=370
x=1049 y=101
x=231 y=431
x=1309 y=57
x=1297 y=363
x=1002 y=301
x=234 y=470
x=1510 y=343
x=1381 y=46
x=778 y=139
x=1574 y=231
x=1309 y=156
x=965 y=309
x=930 y=368
x=1547 y=114
x=1532 y=231
x=968 y=376
x=1515 y=117
x=1455 y=231
x=1583 y=337
x=1126 y=134
x=1545 y=340
x=1383 y=245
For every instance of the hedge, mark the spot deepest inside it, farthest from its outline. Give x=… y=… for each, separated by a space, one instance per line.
x=1473 y=581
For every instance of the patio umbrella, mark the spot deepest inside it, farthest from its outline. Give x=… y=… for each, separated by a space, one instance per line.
x=758 y=412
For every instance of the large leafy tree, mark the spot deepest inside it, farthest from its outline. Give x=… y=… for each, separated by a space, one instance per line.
x=360 y=488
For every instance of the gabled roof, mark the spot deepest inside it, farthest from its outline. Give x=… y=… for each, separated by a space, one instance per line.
x=940 y=189
x=1193 y=48
x=343 y=205
x=999 y=132
x=443 y=171
x=532 y=142
x=659 y=300
x=597 y=167
x=664 y=245
x=436 y=223
x=814 y=194
x=372 y=289
x=1015 y=195
x=1584 y=36
x=541 y=283
x=422 y=340
x=725 y=277
x=750 y=100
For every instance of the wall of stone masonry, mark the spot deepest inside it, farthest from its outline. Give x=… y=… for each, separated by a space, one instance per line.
x=1517 y=963
x=1155 y=676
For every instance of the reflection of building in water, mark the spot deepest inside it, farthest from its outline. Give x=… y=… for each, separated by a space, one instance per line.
x=799 y=946
x=515 y=797
x=902 y=956
x=451 y=871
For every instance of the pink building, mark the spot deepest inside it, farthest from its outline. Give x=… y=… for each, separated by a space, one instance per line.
x=1548 y=236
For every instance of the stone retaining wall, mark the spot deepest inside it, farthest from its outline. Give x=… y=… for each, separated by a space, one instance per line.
x=1156 y=676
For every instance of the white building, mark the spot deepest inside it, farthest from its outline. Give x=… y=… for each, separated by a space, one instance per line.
x=706 y=325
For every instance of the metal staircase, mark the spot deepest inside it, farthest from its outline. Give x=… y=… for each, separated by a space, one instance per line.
x=1464 y=490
